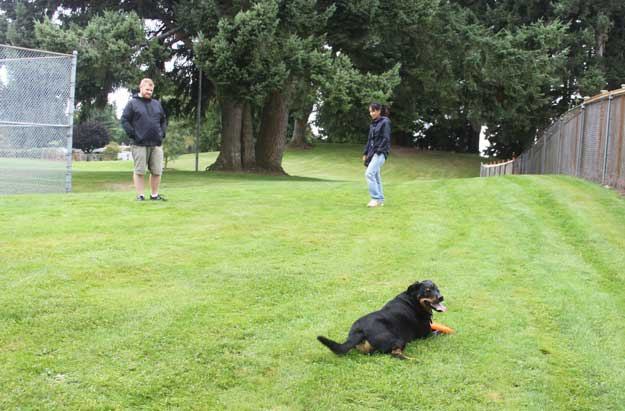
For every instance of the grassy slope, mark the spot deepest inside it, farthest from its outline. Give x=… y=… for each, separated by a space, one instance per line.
x=213 y=300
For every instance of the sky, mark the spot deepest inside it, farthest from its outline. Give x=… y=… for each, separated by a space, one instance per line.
x=4 y=77
x=119 y=98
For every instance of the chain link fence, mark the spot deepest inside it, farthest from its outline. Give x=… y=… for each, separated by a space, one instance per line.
x=36 y=120
x=587 y=142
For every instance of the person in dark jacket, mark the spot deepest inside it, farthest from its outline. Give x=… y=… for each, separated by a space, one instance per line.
x=376 y=152
x=144 y=121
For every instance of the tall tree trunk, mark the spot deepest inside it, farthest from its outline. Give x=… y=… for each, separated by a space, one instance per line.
x=602 y=39
x=101 y=98
x=401 y=138
x=299 y=129
x=272 y=137
x=473 y=131
x=229 y=158
x=602 y=28
x=248 y=155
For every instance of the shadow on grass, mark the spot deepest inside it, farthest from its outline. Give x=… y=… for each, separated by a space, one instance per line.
x=250 y=176
x=90 y=181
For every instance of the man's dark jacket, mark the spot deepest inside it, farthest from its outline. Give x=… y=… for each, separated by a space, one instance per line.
x=144 y=121
x=379 y=140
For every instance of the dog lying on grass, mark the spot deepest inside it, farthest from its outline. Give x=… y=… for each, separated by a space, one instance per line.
x=403 y=319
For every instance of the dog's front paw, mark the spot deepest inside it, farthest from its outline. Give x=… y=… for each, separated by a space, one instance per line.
x=399 y=353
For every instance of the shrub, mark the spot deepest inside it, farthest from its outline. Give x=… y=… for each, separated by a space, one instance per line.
x=90 y=135
x=174 y=144
x=210 y=130
x=111 y=150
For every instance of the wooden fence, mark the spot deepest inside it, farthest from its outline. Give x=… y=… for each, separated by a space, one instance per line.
x=587 y=142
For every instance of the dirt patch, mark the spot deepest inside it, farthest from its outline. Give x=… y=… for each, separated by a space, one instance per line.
x=494 y=396
x=119 y=187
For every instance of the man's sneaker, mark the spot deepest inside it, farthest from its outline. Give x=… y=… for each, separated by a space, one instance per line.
x=158 y=197
x=372 y=203
x=140 y=197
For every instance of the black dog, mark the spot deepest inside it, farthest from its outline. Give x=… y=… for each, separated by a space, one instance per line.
x=403 y=319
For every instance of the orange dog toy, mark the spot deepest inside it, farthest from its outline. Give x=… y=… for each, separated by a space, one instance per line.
x=441 y=328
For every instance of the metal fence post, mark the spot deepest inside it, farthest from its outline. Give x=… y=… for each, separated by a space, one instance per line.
x=607 y=141
x=198 y=119
x=580 y=143
x=559 y=160
x=70 y=132
x=543 y=155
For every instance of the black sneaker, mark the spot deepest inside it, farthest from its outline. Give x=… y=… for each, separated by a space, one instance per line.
x=158 y=197
x=140 y=198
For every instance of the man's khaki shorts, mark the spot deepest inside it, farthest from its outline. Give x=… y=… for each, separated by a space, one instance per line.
x=152 y=157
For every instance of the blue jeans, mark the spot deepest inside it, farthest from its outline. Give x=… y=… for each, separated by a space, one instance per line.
x=374 y=179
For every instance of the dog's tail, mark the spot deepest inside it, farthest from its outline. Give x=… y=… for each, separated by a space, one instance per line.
x=340 y=348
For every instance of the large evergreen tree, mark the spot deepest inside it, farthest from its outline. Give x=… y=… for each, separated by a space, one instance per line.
x=510 y=65
x=592 y=41
x=458 y=72
x=257 y=59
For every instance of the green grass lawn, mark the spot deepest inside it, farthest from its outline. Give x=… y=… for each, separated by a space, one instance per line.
x=213 y=299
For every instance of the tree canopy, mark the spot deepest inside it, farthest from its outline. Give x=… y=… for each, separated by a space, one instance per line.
x=446 y=68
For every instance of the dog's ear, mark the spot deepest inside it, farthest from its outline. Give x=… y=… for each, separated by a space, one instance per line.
x=414 y=288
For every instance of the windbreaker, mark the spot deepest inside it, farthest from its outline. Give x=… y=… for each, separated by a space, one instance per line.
x=144 y=121
x=379 y=140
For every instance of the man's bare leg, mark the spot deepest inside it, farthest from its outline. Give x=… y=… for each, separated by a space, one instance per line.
x=155 y=181
x=139 y=184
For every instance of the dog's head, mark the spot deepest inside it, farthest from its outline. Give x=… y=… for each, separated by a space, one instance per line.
x=427 y=295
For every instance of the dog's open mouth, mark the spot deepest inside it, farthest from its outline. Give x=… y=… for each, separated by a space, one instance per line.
x=437 y=306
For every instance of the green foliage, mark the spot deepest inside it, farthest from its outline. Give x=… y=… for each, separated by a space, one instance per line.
x=198 y=16
x=596 y=29
x=590 y=46
x=592 y=82
x=19 y=32
x=463 y=62
x=4 y=25
x=260 y=56
x=351 y=24
x=346 y=93
x=396 y=32
x=210 y=129
x=241 y=59
x=107 y=48
x=111 y=150
x=517 y=73
x=179 y=135
x=262 y=47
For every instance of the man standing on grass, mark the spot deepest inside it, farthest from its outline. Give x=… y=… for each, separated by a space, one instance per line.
x=145 y=123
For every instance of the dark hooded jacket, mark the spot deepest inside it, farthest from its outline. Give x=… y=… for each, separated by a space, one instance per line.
x=379 y=140
x=144 y=121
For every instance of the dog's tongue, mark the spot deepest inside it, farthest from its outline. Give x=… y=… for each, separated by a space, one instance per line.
x=439 y=307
